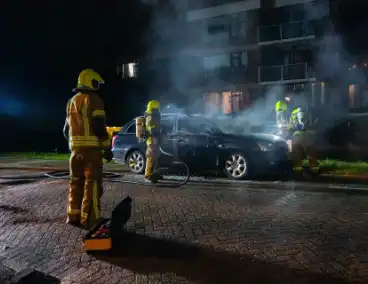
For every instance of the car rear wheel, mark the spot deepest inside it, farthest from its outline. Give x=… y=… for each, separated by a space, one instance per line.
x=136 y=162
x=236 y=166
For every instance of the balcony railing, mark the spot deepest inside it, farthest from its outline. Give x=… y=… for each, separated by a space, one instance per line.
x=301 y=29
x=292 y=72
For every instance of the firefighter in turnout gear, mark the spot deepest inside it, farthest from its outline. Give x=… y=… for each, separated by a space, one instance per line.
x=281 y=109
x=153 y=133
x=89 y=142
x=302 y=140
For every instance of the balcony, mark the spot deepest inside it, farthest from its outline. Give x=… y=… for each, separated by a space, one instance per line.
x=285 y=32
x=290 y=73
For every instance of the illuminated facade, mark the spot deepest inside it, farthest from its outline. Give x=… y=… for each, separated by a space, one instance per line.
x=254 y=45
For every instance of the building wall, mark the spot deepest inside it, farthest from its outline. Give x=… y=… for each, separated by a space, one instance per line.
x=223 y=9
x=237 y=42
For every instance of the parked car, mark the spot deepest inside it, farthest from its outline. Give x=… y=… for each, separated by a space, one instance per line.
x=197 y=141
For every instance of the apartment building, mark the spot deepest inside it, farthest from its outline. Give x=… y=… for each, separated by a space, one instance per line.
x=253 y=45
x=238 y=50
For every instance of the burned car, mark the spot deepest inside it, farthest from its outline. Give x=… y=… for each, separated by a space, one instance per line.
x=198 y=142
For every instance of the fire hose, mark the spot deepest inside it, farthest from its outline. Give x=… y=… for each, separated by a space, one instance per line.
x=109 y=176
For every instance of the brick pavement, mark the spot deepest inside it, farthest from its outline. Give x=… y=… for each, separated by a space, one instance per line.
x=193 y=235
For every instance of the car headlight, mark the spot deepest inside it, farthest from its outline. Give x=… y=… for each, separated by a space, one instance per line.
x=266 y=146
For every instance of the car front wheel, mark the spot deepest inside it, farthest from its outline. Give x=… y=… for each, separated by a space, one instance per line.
x=136 y=162
x=236 y=166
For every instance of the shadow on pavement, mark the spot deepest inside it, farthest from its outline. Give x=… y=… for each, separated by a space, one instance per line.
x=38 y=277
x=13 y=209
x=146 y=255
x=38 y=220
x=26 y=276
x=17 y=182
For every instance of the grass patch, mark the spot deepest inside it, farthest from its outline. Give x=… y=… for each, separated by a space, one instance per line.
x=37 y=156
x=40 y=156
x=342 y=167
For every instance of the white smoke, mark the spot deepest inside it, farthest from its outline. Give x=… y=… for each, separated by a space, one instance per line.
x=174 y=36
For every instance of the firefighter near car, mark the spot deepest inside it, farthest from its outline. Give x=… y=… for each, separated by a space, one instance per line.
x=302 y=134
x=148 y=130
x=281 y=109
x=89 y=142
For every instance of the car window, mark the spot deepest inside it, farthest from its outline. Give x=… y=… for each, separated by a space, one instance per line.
x=131 y=129
x=192 y=125
x=167 y=124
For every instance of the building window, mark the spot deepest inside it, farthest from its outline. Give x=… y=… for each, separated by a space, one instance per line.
x=238 y=25
x=127 y=70
x=295 y=13
x=352 y=91
x=358 y=96
x=217 y=29
x=239 y=59
x=216 y=61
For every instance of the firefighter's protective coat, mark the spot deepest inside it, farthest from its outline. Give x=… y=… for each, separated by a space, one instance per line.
x=302 y=140
x=87 y=139
x=82 y=109
x=152 y=122
x=281 y=113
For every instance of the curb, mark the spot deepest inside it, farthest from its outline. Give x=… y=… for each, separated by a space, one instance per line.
x=316 y=187
x=236 y=185
x=287 y=186
x=44 y=169
x=223 y=184
x=347 y=176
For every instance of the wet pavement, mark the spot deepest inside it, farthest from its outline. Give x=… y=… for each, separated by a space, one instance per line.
x=198 y=234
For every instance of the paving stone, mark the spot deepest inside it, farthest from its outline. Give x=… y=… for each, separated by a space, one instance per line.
x=194 y=235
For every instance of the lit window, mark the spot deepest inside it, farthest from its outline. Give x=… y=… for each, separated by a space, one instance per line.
x=129 y=70
x=352 y=93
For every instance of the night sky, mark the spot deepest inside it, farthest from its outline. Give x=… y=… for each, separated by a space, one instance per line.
x=45 y=44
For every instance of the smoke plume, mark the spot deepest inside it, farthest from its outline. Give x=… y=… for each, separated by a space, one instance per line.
x=174 y=37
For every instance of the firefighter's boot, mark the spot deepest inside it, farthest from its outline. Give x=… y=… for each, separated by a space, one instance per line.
x=150 y=179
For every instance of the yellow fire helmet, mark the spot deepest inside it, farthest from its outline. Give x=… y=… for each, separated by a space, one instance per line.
x=153 y=105
x=89 y=79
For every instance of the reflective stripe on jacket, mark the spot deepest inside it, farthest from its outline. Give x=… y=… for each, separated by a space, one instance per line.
x=281 y=106
x=81 y=110
x=298 y=122
x=153 y=120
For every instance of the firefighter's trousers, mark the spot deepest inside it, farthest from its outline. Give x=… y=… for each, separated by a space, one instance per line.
x=303 y=142
x=152 y=160
x=85 y=186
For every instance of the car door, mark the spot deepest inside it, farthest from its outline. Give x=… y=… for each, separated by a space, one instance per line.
x=126 y=140
x=192 y=145
x=167 y=141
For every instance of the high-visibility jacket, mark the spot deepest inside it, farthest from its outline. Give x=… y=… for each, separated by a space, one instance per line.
x=281 y=106
x=281 y=112
x=298 y=122
x=153 y=121
x=83 y=109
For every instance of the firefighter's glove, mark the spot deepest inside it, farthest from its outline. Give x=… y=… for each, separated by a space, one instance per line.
x=107 y=155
